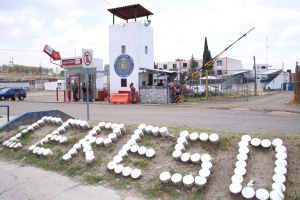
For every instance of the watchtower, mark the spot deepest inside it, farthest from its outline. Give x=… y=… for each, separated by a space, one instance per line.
x=130 y=46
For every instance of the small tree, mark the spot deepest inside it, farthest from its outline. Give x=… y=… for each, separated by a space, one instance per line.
x=193 y=66
x=106 y=67
x=206 y=57
x=61 y=73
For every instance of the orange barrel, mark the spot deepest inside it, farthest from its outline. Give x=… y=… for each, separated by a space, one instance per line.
x=101 y=95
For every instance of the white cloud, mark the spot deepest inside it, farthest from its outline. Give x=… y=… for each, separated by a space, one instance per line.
x=289 y=32
x=8 y=20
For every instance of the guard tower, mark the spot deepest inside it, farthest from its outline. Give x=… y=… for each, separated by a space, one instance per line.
x=130 y=46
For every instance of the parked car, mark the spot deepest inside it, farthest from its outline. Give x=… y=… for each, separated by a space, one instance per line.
x=26 y=88
x=219 y=89
x=7 y=93
x=199 y=90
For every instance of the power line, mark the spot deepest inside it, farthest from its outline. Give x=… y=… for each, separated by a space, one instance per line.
x=108 y=3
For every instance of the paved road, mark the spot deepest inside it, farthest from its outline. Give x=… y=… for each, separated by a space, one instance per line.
x=263 y=114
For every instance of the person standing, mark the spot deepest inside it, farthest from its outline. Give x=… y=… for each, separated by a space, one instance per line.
x=75 y=92
x=84 y=91
x=132 y=92
x=172 y=91
x=90 y=93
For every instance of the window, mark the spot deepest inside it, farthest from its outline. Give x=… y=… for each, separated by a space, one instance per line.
x=263 y=67
x=184 y=65
x=174 y=66
x=219 y=62
x=165 y=67
x=146 y=50
x=124 y=82
x=123 y=49
x=258 y=67
x=155 y=67
x=219 y=72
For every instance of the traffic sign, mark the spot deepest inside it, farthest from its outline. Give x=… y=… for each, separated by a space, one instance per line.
x=87 y=57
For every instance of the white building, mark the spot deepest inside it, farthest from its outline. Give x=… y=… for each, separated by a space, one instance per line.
x=221 y=65
x=130 y=47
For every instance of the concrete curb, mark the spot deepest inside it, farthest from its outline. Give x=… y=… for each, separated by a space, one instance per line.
x=31 y=117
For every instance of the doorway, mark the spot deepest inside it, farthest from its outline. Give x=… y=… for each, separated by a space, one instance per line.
x=74 y=78
x=150 y=79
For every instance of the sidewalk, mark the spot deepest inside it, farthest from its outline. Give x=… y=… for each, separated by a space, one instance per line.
x=19 y=182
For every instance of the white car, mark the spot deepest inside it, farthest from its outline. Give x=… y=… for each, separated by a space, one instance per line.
x=198 y=89
x=219 y=89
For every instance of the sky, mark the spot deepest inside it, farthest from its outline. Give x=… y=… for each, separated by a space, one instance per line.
x=179 y=29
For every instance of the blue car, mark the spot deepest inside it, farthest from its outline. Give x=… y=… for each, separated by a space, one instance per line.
x=7 y=93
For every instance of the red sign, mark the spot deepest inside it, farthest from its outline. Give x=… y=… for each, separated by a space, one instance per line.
x=52 y=53
x=72 y=61
x=87 y=58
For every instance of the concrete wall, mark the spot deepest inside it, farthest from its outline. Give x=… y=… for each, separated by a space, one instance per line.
x=277 y=82
x=230 y=64
x=135 y=36
x=14 y=85
x=50 y=86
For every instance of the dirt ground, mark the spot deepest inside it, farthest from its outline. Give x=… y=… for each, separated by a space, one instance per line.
x=260 y=166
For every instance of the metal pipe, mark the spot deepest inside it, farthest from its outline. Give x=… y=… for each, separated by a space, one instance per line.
x=255 y=84
x=57 y=94
x=206 y=84
x=7 y=111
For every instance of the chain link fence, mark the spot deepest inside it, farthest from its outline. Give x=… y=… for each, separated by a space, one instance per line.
x=233 y=85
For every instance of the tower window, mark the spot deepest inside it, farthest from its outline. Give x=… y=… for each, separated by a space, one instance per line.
x=123 y=49
x=146 y=49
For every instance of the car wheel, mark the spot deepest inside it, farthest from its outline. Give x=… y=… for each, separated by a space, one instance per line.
x=21 y=98
x=2 y=98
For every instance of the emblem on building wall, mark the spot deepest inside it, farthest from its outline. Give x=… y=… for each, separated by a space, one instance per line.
x=124 y=65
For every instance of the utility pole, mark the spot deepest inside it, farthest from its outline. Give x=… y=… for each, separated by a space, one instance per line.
x=255 y=84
